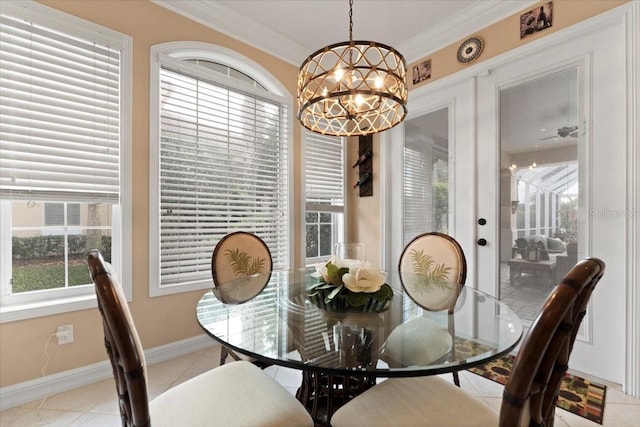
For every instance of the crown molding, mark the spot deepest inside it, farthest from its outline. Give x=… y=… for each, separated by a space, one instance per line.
x=224 y=20
x=474 y=18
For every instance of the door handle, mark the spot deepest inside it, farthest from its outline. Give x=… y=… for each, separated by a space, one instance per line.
x=482 y=242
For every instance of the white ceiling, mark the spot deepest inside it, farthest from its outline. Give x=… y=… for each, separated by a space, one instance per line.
x=293 y=29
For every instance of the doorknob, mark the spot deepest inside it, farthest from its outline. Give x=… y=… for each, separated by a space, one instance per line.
x=482 y=242
x=482 y=221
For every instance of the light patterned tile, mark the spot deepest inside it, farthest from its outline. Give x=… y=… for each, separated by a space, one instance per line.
x=97 y=420
x=80 y=399
x=21 y=417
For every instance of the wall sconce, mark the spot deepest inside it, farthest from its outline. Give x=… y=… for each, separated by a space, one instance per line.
x=514 y=206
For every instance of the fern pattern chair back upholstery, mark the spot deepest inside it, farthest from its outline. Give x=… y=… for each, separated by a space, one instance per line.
x=240 y=255
x=532 y=389
x=241 y=266
x=121 y=342
x=433 y=270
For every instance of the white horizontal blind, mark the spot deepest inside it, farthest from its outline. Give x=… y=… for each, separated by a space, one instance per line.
x=417 y=196
x=324 y=173
x=59 y=115
x=223 y=168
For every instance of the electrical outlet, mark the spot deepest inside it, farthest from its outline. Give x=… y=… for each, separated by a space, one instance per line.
x=65 y=334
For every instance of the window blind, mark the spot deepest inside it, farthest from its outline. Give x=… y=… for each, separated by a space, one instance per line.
x=417 y=209
x=223 y=168
x=324 y=173
x=59 y=115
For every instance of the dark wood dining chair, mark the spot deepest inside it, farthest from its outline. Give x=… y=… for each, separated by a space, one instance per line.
x=241 y=266
x=530 y=393
x=238 y=393
x=433 y=270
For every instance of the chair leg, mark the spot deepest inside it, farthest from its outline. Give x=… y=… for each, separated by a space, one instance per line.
x=456 y=379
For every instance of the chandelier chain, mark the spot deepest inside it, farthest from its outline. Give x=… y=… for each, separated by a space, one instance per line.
x=350 y=20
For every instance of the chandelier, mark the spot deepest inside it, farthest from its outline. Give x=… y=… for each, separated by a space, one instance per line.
x=352 y=88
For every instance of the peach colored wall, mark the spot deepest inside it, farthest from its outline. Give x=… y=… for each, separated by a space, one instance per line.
x=498 y=38
x=166 y=319
x=160 y=320
x=505 y=35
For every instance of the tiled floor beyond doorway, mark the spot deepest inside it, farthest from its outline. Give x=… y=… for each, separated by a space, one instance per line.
x=96 y=405
x=526 y=298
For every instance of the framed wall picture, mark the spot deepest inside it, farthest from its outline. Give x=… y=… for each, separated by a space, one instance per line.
x=535 y=20
x=422 y=71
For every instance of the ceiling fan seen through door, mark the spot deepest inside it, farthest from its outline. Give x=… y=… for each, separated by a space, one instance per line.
x=564 y=132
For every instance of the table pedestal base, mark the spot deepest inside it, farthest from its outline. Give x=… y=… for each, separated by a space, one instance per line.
x=322 y=394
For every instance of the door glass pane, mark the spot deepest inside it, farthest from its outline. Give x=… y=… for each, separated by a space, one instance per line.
x=540 y=145
x=426 y=175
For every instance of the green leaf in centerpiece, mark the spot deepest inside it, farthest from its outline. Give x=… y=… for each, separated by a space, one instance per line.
x=383 y=294
x=356 y=299
x=333 y=293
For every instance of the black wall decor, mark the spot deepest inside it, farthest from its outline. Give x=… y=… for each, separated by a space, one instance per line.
x=365 y=166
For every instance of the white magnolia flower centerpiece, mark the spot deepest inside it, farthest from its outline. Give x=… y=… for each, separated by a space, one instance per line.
x=349 y=283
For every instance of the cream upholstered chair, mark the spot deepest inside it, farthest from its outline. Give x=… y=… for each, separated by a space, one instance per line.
x=238 y=393
x=530 y=392
x=433 y=270
x=241 y=267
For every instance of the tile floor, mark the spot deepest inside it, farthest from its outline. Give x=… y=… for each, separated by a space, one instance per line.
x=96 y=405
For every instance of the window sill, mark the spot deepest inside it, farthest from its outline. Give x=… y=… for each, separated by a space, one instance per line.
x=31 y=310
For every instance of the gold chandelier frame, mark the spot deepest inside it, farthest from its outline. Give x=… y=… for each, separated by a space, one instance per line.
x=352 y=88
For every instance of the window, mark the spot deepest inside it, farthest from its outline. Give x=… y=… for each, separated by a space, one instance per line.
x=324 y=165
x=61 y=214
x=63 y=146
x=220 y=158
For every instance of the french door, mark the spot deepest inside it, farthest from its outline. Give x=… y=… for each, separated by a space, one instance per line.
x=537 y=179
x=551 y=144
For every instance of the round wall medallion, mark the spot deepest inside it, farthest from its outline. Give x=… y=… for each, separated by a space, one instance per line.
x=470 y=49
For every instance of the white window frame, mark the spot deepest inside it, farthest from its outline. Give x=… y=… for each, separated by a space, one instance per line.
x=55 y=301
x=174 y=52
x=339 y=230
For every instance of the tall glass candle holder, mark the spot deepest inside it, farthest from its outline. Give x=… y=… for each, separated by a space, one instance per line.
x=349 y=250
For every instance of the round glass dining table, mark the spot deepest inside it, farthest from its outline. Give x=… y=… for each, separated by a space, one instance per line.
x=342 y=351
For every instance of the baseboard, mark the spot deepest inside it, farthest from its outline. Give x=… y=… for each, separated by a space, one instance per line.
x=28 y=391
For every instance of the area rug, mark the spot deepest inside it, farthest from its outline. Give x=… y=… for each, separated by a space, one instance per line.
x=577 y=395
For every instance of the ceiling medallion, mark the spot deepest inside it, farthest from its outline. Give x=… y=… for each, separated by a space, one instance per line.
x=352 y=88
x=470 y=50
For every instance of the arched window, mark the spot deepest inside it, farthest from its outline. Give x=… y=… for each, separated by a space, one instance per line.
x=219 y=161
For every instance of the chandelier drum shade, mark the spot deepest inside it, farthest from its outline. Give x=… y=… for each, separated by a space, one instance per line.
x=352 y=88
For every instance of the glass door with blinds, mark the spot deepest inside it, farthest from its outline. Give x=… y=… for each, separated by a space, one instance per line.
x=425 y=159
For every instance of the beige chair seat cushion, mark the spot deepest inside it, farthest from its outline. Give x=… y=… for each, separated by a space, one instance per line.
x=418 y=342
x=420 y=401
x=235 y=394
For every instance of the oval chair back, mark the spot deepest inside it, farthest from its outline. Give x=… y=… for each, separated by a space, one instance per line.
x=433 y=270
x=241 y=266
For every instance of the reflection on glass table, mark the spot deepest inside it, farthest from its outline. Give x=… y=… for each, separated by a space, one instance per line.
x=341 y=353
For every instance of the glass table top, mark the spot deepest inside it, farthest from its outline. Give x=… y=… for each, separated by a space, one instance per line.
x=283 y=326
